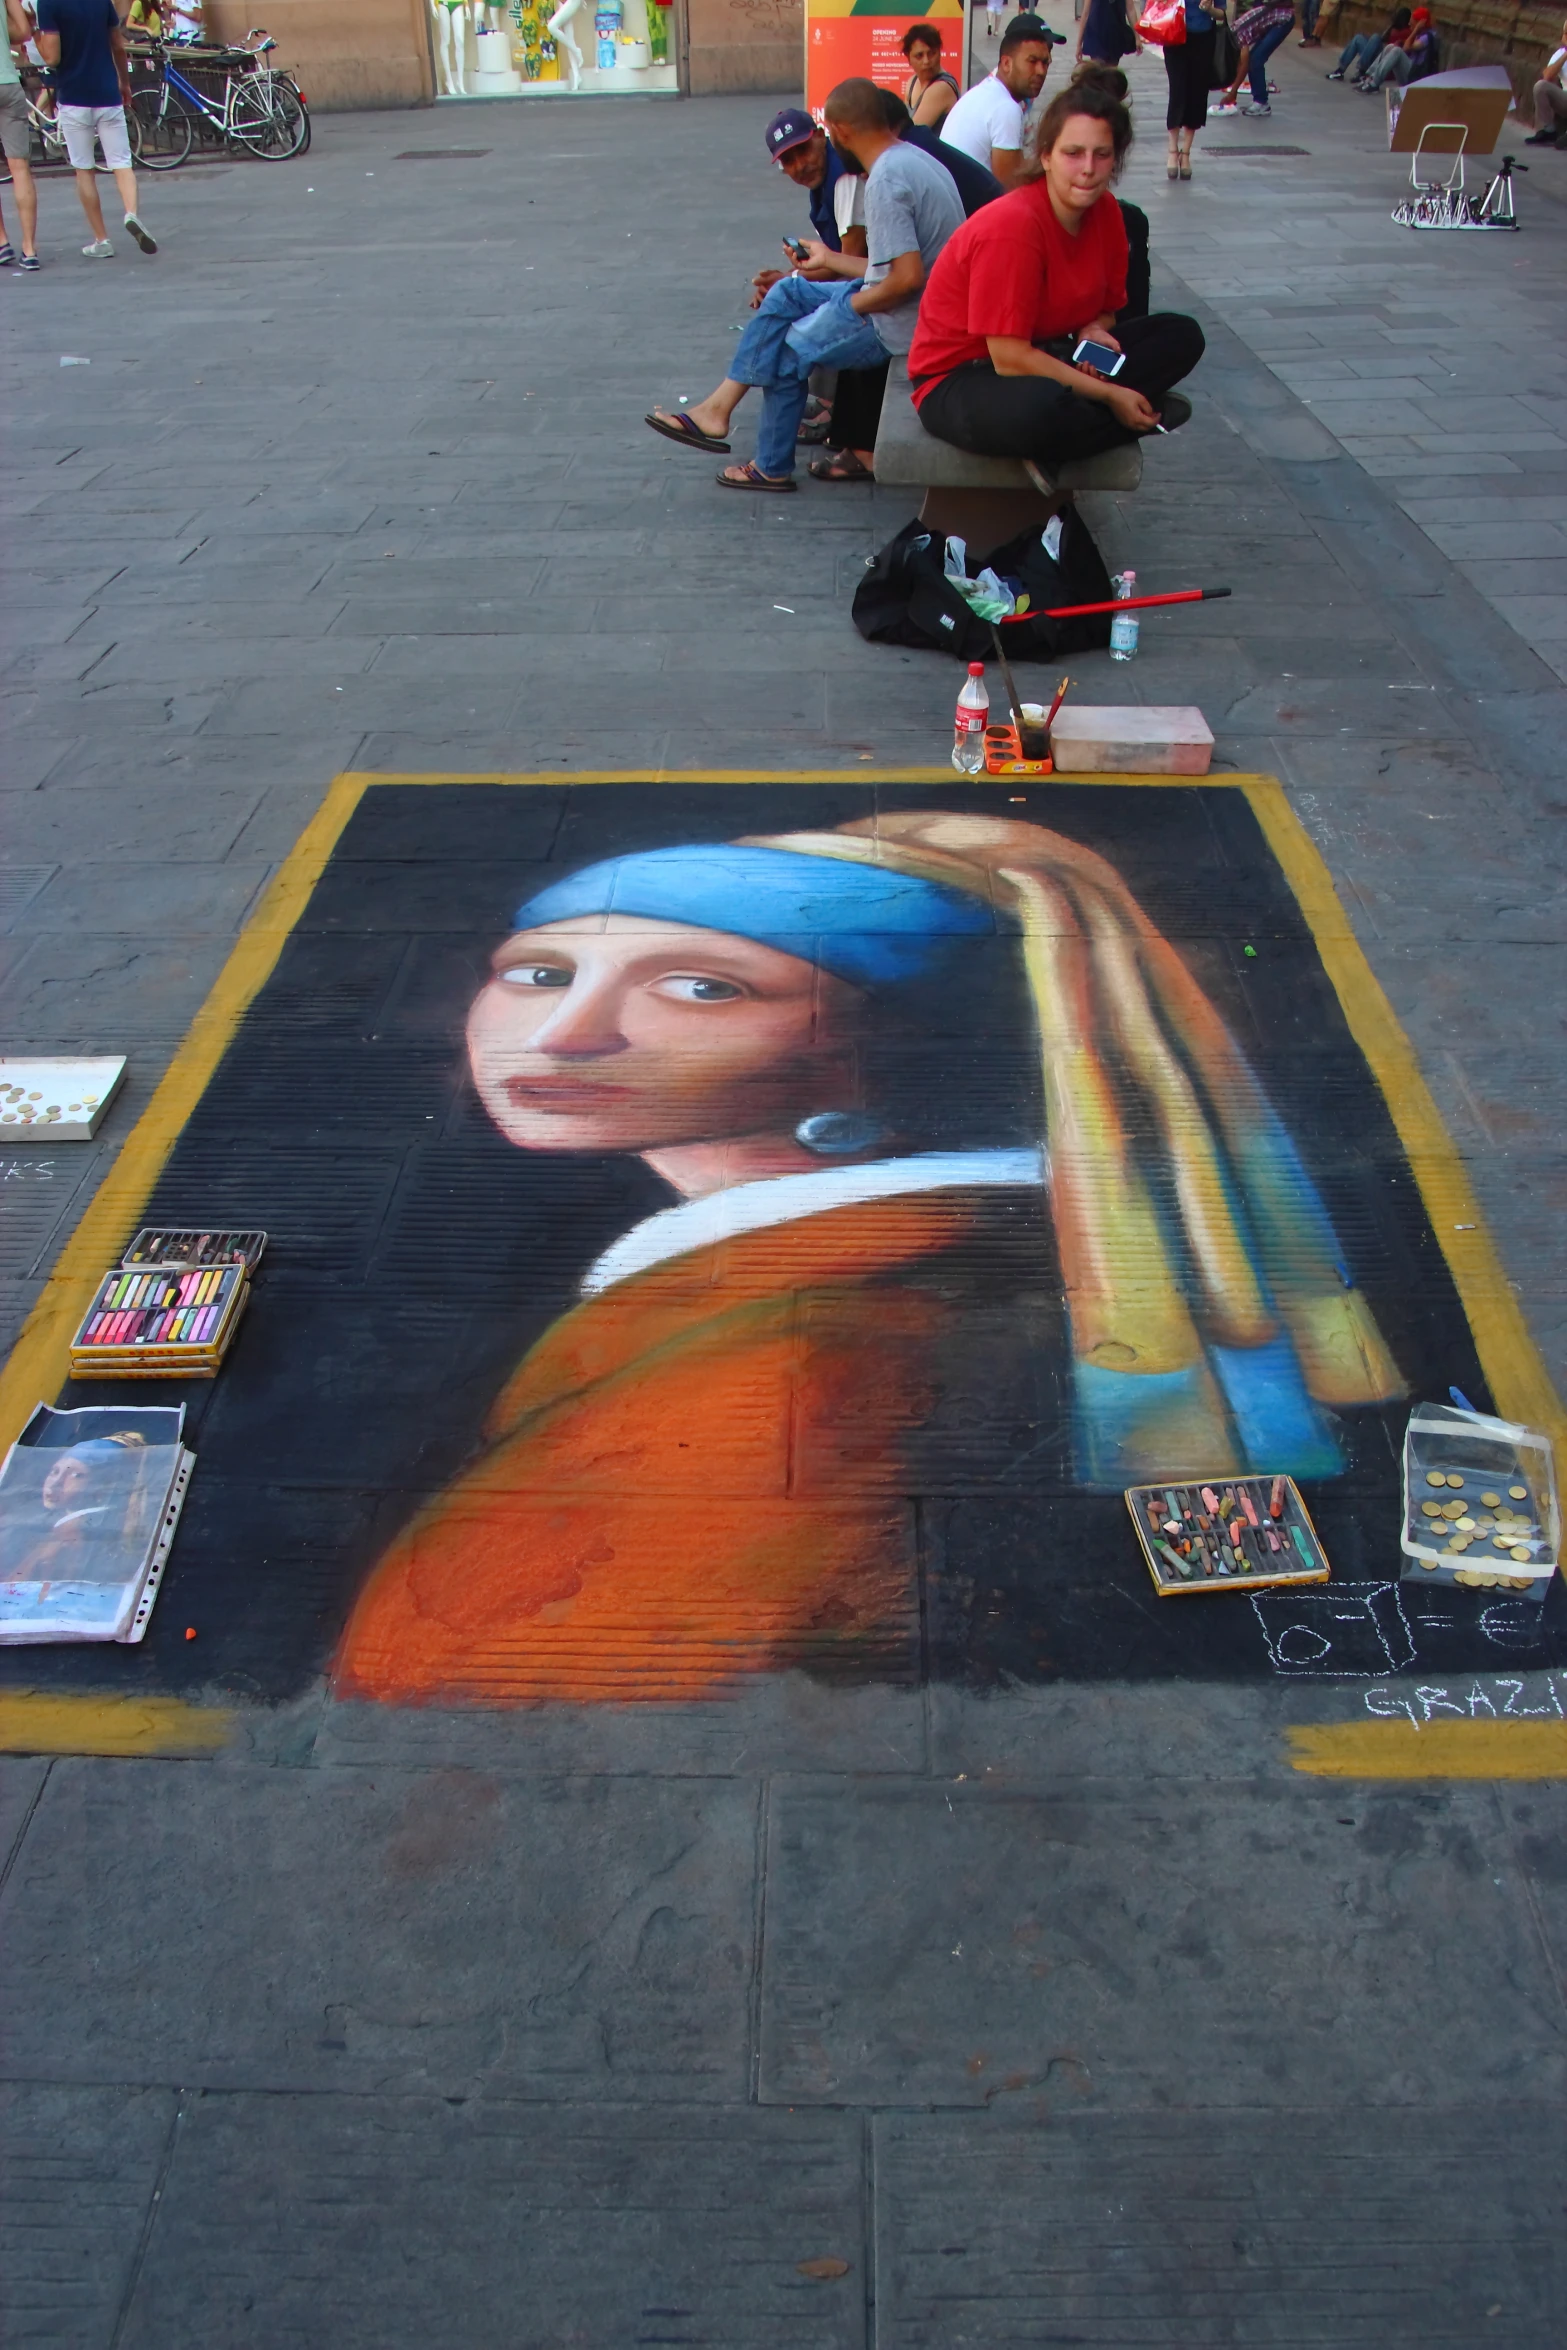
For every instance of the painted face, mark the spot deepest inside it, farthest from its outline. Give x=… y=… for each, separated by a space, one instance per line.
x=925 y=60
x=66 y=1483
x=806 y=164
x=1079 y=166
x=1023 y=70
x=633 y=1035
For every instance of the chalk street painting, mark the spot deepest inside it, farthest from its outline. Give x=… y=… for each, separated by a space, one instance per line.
x=730 y=1230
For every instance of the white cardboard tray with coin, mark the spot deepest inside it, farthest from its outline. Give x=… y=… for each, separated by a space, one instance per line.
x=56 y=1100
x=1480 y=1502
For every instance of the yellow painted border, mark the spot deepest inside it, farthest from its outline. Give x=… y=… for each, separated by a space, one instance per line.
x=39 y=1362
x=37 y=1721
x=1431 y=1750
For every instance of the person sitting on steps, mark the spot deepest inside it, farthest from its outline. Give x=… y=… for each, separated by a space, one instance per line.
x=1418 y=56
x=1550 y=100
x=1359 y=54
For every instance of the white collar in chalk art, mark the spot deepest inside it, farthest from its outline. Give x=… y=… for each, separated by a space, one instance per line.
x=782 y=1199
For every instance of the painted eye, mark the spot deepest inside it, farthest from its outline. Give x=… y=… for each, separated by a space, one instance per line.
x=690 y=990
x=536 y=975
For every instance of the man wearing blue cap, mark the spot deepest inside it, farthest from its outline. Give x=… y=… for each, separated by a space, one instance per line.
x=851 y=315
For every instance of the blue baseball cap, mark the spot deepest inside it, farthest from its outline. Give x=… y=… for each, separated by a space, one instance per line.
x=790 y=128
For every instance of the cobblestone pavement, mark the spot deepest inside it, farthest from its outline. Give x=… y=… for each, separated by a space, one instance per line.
x=911 y=2019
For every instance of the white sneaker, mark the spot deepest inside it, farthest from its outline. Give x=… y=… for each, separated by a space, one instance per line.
x=101 y=251
x=1265 y=111
x=1231 y=108
x=133 y=228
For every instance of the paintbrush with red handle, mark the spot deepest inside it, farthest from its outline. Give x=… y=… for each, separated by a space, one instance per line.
x=1123 y=604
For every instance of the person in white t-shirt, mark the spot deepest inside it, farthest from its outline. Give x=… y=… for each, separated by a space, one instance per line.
x=1550 y=100
x=987 y=121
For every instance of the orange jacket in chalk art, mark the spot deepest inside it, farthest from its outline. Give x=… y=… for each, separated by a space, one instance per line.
x=706 y=1469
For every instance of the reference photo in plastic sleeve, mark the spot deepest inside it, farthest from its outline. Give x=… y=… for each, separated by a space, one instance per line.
x=89 y=1502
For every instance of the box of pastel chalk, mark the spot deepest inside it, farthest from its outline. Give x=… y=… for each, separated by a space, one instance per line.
x=1226 y=1534
x=1480 y=1503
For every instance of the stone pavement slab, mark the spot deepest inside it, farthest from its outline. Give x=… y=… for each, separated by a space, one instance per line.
x=269 y=1929
x=1192 y=2231
x=378 y=2223
x=79 y=2173
x=959 y=1943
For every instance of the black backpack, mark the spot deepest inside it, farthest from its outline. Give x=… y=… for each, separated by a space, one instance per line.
x=905 y=598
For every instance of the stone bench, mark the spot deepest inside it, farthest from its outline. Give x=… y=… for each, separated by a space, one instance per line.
x=983 y=499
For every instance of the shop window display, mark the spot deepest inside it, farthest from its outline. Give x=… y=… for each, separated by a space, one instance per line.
x=548 y=48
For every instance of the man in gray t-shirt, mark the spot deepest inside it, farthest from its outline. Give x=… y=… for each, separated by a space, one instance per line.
x=837 y=310
x=912 y=207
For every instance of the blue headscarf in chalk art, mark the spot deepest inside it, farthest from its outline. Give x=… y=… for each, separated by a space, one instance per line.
x=864 y=923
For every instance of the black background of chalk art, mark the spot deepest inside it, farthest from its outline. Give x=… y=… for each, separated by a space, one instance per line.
x=414 y=1256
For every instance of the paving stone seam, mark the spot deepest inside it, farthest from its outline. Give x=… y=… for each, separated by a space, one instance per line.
x=138 y=2259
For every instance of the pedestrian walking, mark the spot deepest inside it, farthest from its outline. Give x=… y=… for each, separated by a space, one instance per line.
x=16 y=142
x=1105 y=35
x=1188 y=67
x=82 y=41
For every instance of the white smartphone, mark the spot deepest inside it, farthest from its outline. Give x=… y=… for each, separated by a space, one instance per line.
x=1099 y=357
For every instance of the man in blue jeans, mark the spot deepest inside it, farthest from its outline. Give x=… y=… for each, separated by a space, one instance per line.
x=848 y=312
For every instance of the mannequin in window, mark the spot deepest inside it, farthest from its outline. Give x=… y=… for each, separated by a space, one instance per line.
x=560 y=27
x=451 y=41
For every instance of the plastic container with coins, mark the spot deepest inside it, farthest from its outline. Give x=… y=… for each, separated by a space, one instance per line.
x=1480 y=1503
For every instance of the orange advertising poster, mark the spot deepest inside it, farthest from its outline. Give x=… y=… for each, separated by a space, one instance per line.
x=846 y=37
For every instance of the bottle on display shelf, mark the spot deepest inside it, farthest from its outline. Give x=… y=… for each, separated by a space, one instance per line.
x=1124 y=625
x=969 y=723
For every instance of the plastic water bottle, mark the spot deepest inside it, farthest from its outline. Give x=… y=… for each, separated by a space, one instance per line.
x=969 y=723
x=1123 y=625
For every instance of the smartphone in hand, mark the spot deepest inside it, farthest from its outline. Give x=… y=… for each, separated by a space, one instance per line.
x=795 y=250
x=1099 y=357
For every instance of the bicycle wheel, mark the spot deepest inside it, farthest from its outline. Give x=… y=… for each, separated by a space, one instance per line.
x=274 y=127
x=164 y=126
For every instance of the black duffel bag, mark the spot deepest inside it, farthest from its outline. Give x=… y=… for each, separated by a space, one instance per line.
x=906 y=599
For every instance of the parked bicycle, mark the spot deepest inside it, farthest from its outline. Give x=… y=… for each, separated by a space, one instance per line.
x=262 y=112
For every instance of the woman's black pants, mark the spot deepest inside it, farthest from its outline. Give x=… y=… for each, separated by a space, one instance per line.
x=994 y=415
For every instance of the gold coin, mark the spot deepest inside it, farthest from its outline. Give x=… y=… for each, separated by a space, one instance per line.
x=1437 y=1477
x=1469 y=1579
x=1430 y=1509
x=1453 y=1509
x=1522 y=1555
x=1429 y=1565
x=1517 y=1582
x=1490 y=1500
x=1456 y=1482
x=1466 y=1525
x=1518 y=1492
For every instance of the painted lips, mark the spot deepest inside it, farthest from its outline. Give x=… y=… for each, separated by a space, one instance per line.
x=560 y=1093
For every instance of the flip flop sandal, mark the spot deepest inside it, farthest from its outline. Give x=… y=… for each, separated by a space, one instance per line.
x=750 y=477
x=688 y=435
x=840 y=465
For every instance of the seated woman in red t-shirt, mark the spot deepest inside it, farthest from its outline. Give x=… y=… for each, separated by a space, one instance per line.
x=1019 y=286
